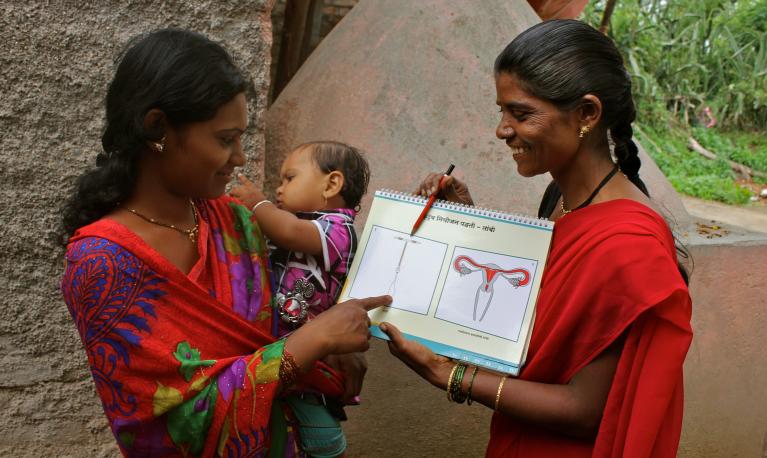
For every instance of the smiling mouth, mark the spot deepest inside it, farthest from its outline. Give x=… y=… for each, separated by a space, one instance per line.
x=517 y=151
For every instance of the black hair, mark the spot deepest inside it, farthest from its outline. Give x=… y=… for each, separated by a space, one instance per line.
x=333 y=156
x=182 y=73
x=562 y=60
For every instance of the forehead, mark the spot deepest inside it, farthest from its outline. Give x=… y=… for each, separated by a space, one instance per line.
x=510 y=90
x=232 y=115
x=299 y=157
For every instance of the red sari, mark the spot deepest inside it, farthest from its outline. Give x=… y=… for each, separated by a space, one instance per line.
x=185 y=365
x=612 y=270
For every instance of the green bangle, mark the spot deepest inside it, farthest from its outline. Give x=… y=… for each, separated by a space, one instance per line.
x=471 y=383
x=455 y=386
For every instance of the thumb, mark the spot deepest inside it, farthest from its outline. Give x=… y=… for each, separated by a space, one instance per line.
x=394 y=334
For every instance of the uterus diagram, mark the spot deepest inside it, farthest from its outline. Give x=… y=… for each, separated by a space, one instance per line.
x=465 y=265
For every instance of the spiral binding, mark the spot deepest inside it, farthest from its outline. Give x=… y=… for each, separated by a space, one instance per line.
x=468 y=209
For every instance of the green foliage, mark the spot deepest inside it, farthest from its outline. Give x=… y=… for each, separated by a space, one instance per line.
x=745 y=148
x=689 y=172
x=711 y=187
x=686 y=56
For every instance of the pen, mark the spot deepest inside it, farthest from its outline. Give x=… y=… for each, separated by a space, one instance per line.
x=429 y=202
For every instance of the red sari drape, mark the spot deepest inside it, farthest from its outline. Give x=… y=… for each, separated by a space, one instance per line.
x=612 y=270
x=184 y=364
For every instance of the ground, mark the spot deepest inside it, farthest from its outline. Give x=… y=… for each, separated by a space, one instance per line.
x=752 y=217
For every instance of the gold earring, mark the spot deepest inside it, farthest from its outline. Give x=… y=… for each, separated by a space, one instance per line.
x=584 y=130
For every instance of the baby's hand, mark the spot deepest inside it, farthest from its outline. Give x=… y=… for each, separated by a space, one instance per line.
x=247 y=192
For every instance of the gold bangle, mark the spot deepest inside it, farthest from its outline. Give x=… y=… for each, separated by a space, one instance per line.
x=449 y=381
x=289 y=370
x=498 y=394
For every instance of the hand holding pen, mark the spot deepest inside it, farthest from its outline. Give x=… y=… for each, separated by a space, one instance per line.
x=452 y=189
x=432 y=198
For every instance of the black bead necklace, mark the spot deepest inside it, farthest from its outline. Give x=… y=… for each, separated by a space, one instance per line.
x=593 y=194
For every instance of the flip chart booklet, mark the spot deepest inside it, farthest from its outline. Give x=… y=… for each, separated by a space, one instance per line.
x=464 y=285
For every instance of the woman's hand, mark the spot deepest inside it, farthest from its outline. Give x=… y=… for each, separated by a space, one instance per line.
x=341 y=329
x=453 y=189
x=247 y=192
x=353 y=366
x=435 y=369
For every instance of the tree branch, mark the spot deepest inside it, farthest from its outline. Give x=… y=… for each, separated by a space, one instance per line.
x=746 y=171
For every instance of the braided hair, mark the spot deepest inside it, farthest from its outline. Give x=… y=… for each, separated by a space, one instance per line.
x=626 y=151
x=182 y=73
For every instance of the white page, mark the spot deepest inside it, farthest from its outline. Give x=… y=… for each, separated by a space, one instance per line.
x=405 y=267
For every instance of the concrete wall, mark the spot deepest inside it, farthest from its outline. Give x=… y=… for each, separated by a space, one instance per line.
x=411 y=83
x=56 y=60
x=726 y=368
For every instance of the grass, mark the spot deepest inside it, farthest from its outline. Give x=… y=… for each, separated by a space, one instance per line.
x=692 y=174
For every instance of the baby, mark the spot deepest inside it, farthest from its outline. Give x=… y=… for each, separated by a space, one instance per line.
x=311 y=226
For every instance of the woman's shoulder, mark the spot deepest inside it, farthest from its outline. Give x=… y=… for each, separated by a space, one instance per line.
x=91 y=260
x=632 y=212
x=107 y=243
x=624 y=219
x=87 y=246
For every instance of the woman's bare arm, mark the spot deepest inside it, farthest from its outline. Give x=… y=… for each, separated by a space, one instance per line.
x=574 y=409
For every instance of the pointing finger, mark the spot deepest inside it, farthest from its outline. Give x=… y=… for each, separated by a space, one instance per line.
x=370 y=303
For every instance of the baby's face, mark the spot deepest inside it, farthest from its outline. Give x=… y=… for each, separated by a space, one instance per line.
x=302 y=183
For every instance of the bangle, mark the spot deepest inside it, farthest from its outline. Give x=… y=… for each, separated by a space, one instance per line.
x=498 y=394
x=265 y=201
x=450 y=382
x=454 y=393
x=471 y=383
x=289 y=370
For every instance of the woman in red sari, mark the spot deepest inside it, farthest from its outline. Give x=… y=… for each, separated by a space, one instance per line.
x=604 y=368
x=167 y=279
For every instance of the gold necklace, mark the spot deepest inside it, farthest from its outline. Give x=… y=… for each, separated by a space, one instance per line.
x=190 y=233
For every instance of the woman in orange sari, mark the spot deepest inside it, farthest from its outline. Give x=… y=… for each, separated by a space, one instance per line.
x=604 y=367
x=167 y=279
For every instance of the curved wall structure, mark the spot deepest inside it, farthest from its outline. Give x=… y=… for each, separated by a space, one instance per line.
x=411 y=83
